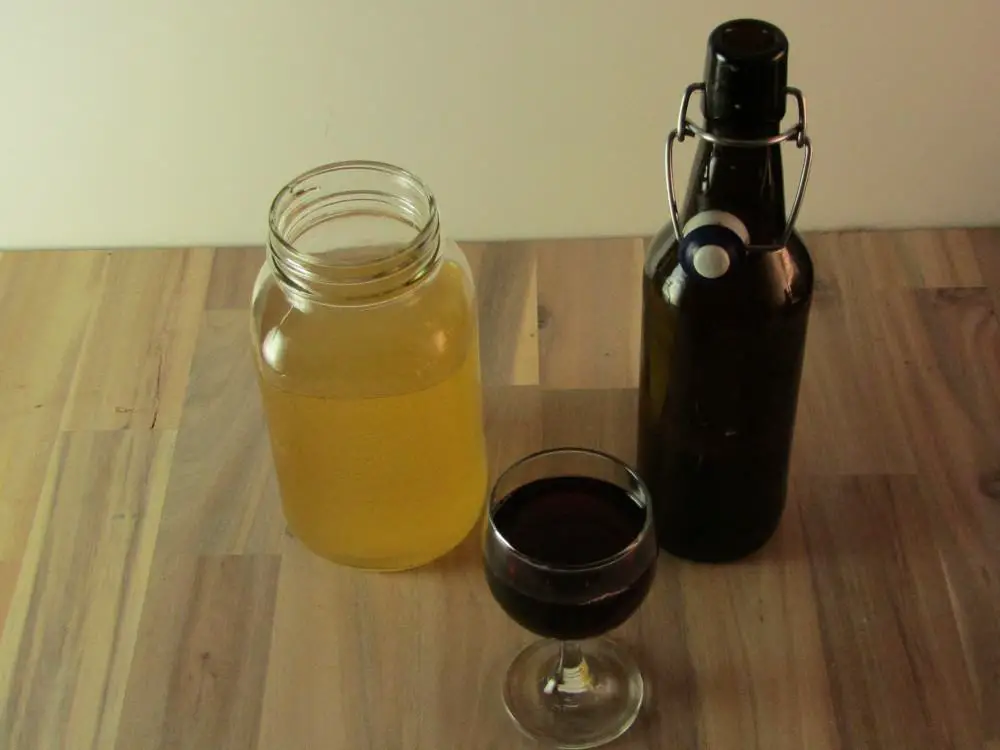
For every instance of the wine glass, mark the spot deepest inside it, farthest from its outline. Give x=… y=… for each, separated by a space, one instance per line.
x=569 y=554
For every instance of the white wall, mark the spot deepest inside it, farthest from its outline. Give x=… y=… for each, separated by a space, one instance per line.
x=132 y=122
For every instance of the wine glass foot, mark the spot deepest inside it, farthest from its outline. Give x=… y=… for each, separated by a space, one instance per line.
x=584 y=705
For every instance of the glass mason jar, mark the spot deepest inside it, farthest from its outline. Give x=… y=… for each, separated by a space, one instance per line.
x=367 y=344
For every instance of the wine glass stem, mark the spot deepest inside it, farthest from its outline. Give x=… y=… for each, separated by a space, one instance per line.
x=571 y=675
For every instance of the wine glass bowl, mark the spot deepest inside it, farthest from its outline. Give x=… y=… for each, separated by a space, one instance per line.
x=569 y=554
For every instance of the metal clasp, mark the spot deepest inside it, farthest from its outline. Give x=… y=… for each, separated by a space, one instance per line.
x=687 y=128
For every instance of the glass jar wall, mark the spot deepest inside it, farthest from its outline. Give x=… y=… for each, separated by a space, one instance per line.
x=365 y=330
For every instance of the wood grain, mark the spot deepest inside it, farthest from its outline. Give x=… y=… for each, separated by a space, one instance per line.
x=26 y=443
x=601 y=419
x=67 y=646
x=43 y=350
x=915 y=259
x=947 y=357
x=506 y=290
x=849 y=419
x=755 y=636
x=133 y=370
x=204 y=644
x=9 y=573
x=659 y=638
x=234 y=271
x=391 y=648
x=36 y=372
x=150 y=597
x=513 y=421
x=885 y=609
x=223 y=496
x=589 y=314
x=986 y=243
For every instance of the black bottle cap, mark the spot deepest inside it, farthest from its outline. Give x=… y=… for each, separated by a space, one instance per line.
x=746 y=72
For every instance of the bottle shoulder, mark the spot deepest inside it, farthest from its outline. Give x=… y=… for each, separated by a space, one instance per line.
x=778 y=278
x=661 y=252
x=797 y=273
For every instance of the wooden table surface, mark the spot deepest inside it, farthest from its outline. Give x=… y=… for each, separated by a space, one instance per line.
x=150 y=597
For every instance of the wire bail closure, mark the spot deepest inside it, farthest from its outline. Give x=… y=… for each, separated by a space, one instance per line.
x=687 y=128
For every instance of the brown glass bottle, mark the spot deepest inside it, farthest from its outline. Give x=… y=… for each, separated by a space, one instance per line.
x=726 y=295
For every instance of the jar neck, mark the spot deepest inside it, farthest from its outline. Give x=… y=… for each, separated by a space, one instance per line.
x=353 y=233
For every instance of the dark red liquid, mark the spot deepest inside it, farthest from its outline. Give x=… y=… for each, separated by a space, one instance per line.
x=570 y=521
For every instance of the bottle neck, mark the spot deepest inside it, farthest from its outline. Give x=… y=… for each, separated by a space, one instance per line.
x=745 y=181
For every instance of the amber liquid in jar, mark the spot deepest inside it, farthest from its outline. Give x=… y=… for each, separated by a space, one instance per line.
x=374 y=414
